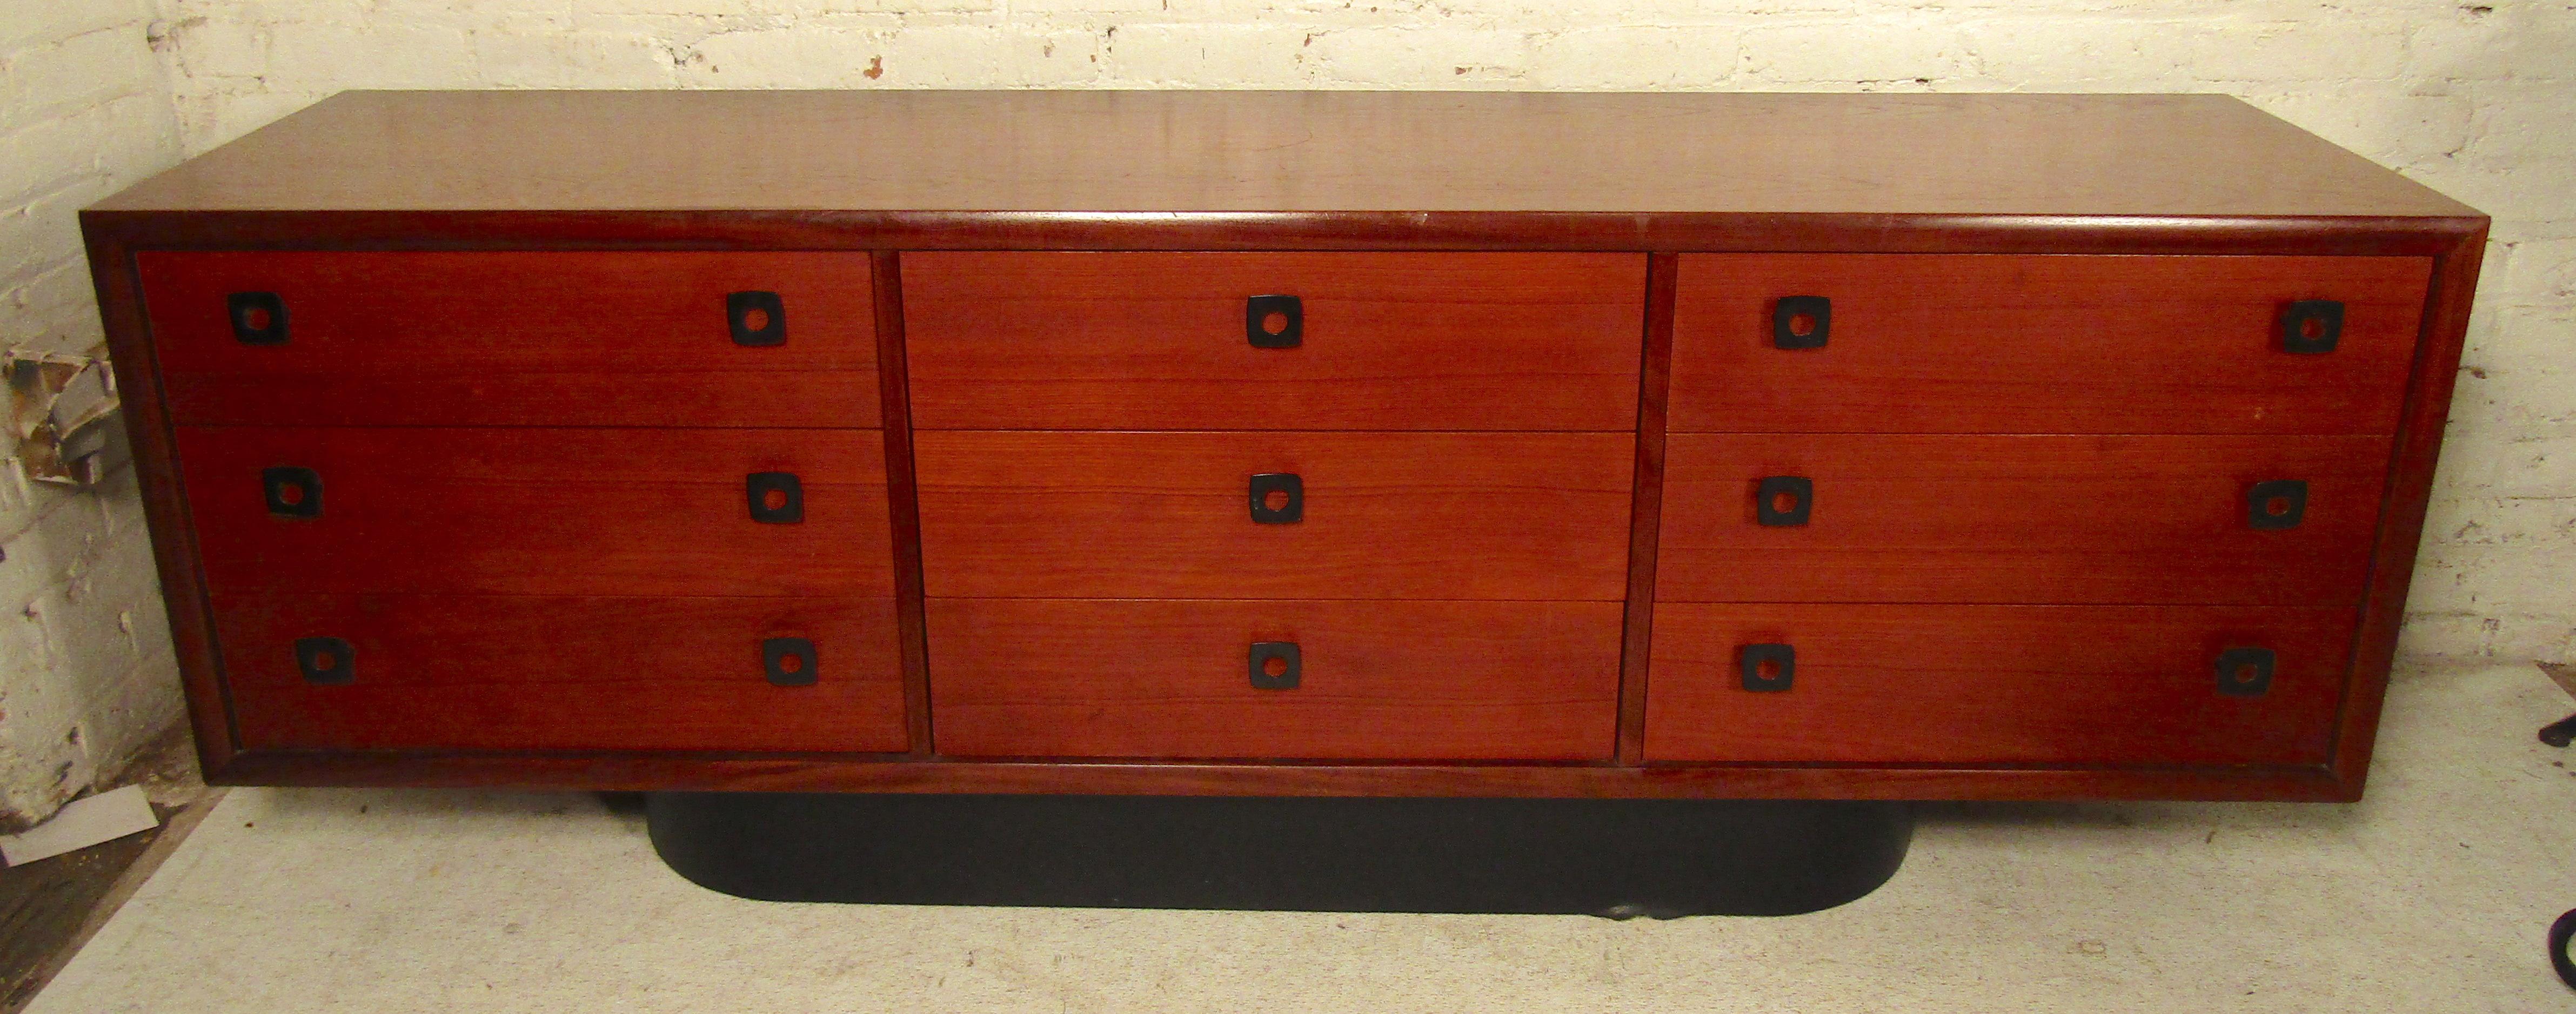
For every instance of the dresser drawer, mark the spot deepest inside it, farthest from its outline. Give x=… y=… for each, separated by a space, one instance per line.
x=1382 y=341
x=625 y=339
x=1534 y=516
x=2001 y=519
x=1371 y=680
x=510 y=672
x=538 y=511
x=1900 y=684
x=1951 y=343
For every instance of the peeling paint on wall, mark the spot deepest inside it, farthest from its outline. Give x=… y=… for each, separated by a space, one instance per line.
x=86 y=672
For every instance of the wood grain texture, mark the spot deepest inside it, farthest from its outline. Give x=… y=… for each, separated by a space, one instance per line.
x=1378 y=680
x=1391 y=341
x=2416 y=455
x=541 y=511
x=1526 y=516
x=510 y=672
x=903 y=510
x=516 y=338
x=1646 y=514
x=2042 y=344
x=1995 y=685
x=165 y=504
x=1536 y=231
x=810 y=773
x=2019 y=519
x=1449 y=172
x=1289 y=152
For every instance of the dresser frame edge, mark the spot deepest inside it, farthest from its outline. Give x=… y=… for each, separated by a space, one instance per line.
x=111 y=242
x=2413 y=459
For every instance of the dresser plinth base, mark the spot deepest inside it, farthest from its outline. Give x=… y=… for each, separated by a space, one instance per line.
x=1616 y=858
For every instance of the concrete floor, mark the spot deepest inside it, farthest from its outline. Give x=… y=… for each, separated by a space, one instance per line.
x=2431 y=895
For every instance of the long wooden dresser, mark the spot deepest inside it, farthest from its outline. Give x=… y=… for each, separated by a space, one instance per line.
x=1265 y=444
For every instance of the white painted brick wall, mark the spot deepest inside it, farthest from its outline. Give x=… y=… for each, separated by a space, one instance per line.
x=86 y=674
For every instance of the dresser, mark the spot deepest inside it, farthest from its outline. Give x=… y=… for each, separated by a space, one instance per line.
x=1847 y=447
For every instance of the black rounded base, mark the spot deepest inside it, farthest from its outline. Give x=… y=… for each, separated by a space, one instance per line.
x=1615 y=858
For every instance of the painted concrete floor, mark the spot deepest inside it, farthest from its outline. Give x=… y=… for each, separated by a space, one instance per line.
x=2432 y=895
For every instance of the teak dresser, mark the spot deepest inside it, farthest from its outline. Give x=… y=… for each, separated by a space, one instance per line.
x=1263 y=444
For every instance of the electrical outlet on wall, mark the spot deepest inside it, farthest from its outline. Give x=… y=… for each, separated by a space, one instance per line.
x=63 y=411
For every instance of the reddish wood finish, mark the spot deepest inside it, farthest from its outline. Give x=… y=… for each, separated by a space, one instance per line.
x=1444 y=231
x=540 y=511
x=464 y=339
x=1156 y=341
x=506 y=672
x=1530 y=516
x=2011 y=174
x=1265 y=156
x=903 y=511
x=165 y=506
x=1646 y=516
x=813 y=773
x=2040 y=344
x=1972 y=685
x=1377 y=680
x=2029 y=519
x=2410 y=482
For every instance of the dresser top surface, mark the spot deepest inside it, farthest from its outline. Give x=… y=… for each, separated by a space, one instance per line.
x=1092 y=152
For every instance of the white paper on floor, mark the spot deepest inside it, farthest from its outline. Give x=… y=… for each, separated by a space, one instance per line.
x=82 y=823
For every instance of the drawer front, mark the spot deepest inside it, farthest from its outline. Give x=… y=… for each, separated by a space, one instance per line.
x=611 y=339
x=1898 y=684
x=539 y=511
x=1953 y=343
x=509 y=672
x=1533 y=516
x=1384 y=341
x=2004 y=519
x=1373 y=680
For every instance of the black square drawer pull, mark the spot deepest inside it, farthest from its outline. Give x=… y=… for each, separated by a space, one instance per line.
x=1801 y=322
x=2277 y=504
x=790 y=661
x=1274 y=322
x=2311 y=326
x=293 y=492
x=1783 y=500
x=259 y=318
x=1278 y=498
x=326 y=660
x=1274 y=665
x=757 y=318
x=1768 y=668
x=777 y=498
x=2245 y=672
